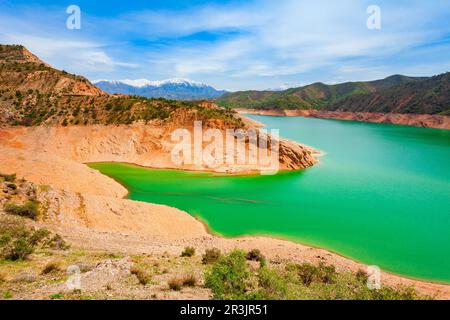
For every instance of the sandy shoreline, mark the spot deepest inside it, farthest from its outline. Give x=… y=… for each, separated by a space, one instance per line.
x=89 y=208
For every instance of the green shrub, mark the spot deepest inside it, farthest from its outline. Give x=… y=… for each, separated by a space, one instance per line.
x=7 y=295
x=18 y=241
x=20 y=249
x=309 y=273
x=188 y=252
x=256 y=255
x=211 y=256
x=40 y=235
x=362 y=276
x=29 y=210
x=57 y=242
x=8 y=177
x=272 y=286
x=228 y=278
x=51 y=267
x=11 y=186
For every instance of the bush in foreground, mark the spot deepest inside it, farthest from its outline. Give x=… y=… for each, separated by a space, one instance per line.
x=256 y=255
x=8 y=177
x=230 y=278
x=29 y=209
x=189 y=280
x=50 y=267
x=188 y=252
x=143 y=276
x=211 y=256
x=177 y=283
x=18 y=241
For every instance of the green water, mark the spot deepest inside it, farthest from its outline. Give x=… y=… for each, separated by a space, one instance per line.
x=380 y=195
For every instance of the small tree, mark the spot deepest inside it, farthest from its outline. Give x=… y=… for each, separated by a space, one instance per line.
x=211 y=256
x=229 y=277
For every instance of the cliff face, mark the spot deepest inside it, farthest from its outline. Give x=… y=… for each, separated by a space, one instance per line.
x=416 y=120
x=84 y=124
x=18 y=54
x=146 y=145
x=33 y=93
x=22 y=70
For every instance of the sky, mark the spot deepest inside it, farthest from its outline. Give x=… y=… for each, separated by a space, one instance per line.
x=235 y=45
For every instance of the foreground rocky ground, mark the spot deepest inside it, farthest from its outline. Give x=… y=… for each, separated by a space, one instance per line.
x=134 y=263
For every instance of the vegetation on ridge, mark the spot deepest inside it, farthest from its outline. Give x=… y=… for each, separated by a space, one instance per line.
x=33 y=93
x=395 y=94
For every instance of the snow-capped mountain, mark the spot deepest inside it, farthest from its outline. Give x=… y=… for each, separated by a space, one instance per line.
x=179 y=89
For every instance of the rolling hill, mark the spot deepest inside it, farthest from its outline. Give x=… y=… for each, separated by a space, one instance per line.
x=395 y=94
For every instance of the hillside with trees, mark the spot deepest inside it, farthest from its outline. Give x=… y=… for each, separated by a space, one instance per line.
x=395 y=94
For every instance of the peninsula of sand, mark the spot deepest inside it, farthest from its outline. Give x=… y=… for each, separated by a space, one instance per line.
x=91 y=212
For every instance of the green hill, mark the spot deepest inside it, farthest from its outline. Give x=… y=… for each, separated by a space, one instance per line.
x=396 y=93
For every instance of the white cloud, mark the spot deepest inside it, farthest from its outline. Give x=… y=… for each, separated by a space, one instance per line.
x=288 y=37
x=55 y=45
x=263 y=43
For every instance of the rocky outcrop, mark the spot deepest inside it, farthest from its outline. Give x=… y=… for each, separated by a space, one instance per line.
x=417 y=120
x=23 y=71
x=17 y=54
x=141 y=144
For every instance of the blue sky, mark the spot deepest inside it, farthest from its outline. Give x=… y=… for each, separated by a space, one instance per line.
x=235 y=45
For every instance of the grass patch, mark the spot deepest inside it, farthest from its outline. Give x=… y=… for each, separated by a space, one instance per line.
x=230 y=278
x=18 y=241
x=142 y=275
x=29 y=209
x=189 y=280
x=256 y=255
x=8 y=177
x=175 y=284
x=211 y=256
x=188 y=252
x=51 y=267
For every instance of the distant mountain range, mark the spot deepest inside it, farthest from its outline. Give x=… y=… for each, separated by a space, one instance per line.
x=395 y=94
x=178 y=89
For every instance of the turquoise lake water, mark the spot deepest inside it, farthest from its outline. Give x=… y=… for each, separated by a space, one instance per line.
x=380 y=194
